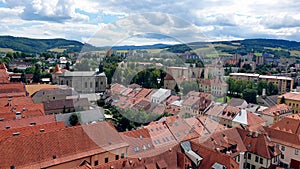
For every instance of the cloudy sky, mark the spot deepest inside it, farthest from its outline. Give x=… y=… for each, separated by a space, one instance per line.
x=103 y=23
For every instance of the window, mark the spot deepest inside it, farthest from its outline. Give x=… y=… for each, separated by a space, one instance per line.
x=256 y=159
x=106 y=160
x=101 y=83
x=96 y=162
x=252 y=166
x=96 y=84
x=122 y=155
x=117 y=157
x=91 y=84
x=85 y=84
x=261 y=160
x=249 y=156
x=282 y=156
x=282 y=148
x=296 y=151
x=62 y=82
x=67 y=82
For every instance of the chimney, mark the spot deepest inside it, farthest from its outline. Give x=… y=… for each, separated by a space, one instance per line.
x=255 y=134
x=18 y=115
x=9 y=101
x=264 y=93
x=24 y=110
x=242 y=160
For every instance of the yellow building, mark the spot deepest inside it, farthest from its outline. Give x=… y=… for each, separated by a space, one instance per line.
x=291 y=99
x=284 y=84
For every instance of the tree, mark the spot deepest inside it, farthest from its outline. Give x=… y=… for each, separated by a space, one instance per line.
x=282 y=100
x=250 y=95
x=68 y=65
x=23 y=77
x=74 y=119
x=188 y=86
x=37 y=73
x=272 y=89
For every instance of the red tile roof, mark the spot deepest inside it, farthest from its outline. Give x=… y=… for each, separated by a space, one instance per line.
x=289 y=125
x=180 y=129
x=37 y=150
x=172 y=99
x=204 y=126
x=31 y=129
x=12 y=89
x=291 y=96
x=139 y=142
x=259 y=144
x=67 y=103
x=168 y=159
x=210 y=157
x=284 y=138
x=31 y=110
x=278 y=109
x=117 y=88
x=160 y=135
x=223 y=141
x=38 y=120
x=16 y=101
x=4 y=77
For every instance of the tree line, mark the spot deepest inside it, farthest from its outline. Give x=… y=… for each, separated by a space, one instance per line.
x=248 y=90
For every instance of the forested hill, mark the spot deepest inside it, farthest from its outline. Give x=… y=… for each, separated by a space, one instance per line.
x=29 y=45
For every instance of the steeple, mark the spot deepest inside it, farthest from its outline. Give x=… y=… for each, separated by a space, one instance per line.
x=2 y=66
x=57 y=70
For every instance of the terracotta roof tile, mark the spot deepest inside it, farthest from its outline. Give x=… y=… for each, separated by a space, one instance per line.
x=277 y=110
x=288 y=125
x=160 y=135
x=210 y=157
x=38 y=120
x=291 y=96
x=4 y=77
x=15 y=101
x=284 y=138
x=259 y=144
x=12 y=89
x=68 y=103
x=139 y=142
x=33 y=88
x=29 y=110
x=180 y=129
x=67 y=144
x=31 y=129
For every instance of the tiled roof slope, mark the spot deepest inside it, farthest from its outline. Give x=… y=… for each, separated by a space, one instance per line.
x=286 y=124
x=37 y=150
x=29 y=130
x=210 y=157
x=139 y=141
x=38 y=120
x=259 y=144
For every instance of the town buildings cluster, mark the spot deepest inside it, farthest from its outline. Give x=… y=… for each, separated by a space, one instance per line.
x=198 y=132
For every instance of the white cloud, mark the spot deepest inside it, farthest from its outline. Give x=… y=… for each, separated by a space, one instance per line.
x=185 y=20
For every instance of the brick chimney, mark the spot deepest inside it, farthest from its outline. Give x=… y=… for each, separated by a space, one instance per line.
x=18 y=115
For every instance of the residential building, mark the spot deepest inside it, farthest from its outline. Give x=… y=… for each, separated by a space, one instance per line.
x=292 y=99
x=275 y=113
x=284 y=84
x=139 y=141
x=249 y=149
x=50 y=94
x=65 y=148
x=288 y=143
x=66 y=105
x=160 y=95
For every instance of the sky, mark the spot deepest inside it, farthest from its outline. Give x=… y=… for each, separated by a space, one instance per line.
x=137 y=22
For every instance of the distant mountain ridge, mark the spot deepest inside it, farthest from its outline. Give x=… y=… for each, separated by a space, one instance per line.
x=29 y=45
